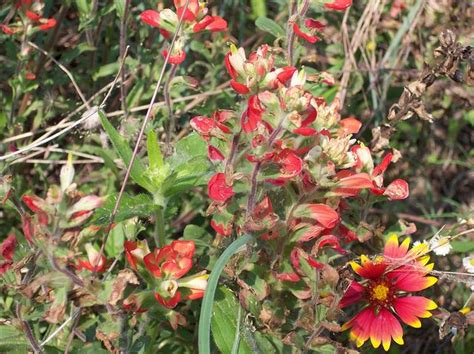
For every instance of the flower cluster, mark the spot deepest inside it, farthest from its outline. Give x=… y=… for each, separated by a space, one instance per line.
x=288 y=139
x=167 y=266
x=387 y=281
x=31 y=14
x=63 y=215
x=195 y=19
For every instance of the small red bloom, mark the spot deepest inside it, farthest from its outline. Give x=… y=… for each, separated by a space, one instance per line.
x=47 y=23
x=135 y=251
x=253 y=115
x=32 y=15
x=7 y=249
x=291 y=164
x=218 y=189
x=286 y=74
x=322 y=213
x=307 y=37
x=214 y=154
x=211 y=23
x=239 y=88
x=314 y=24
x=7 y=30
x=95 y=262
x=222 y=229
x=350 y=125
x=176 y=58
x=397 y=190
x=151 y=17
x=338 y=5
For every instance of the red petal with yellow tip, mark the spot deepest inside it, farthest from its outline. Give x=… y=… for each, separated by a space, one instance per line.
x=410 y=308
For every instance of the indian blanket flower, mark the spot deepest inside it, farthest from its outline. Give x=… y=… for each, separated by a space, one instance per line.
x=168 y=265
x=195 y=19
x=385 y=290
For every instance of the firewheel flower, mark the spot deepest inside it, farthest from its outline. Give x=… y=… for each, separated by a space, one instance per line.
x=387 y=282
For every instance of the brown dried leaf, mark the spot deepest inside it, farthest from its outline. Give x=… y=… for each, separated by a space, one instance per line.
x=125 y=277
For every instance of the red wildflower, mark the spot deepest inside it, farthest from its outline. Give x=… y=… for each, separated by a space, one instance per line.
x=291 y=164
x=338 y=5
x=32 y=15
x=94 y=262
x=135 y=251
x=322 y=213
x=388 y=280
x=7 y=249
x=170 y=263
x=307 y=37
x=218 y=189
x=253 y=115
x=397 y=190
x=7 y=30
x=211 y=23
x=350 y=125
x=47 y=23
x=214 y=154
x=239 y=88
x=151 y=17
x=176 y=57
x=173 y=260
x=222 y=229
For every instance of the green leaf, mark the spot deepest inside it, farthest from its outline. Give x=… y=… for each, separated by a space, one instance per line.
x=114 y=245
x=270 y=26
x=226 y=323
x=204 y=335
x=120 y=8
x=106 y=70
x=140 y=205
x=200 y=236
x=463 y=246
x=258 y=8
x=154 y=152
x=122 y=148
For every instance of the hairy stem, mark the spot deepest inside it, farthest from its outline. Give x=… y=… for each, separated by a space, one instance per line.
x=123 y=46
x=160 y=234
x=169 y=106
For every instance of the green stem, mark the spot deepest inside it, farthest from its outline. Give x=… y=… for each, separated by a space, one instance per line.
x=160 y=236
x=204 y=340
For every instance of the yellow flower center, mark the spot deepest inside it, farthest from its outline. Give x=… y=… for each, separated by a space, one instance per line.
x=380 y=292
x=472 y=261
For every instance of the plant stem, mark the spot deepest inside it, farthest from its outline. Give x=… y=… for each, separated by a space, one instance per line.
x=160 y=235
x=169 y=105
x=123 y=45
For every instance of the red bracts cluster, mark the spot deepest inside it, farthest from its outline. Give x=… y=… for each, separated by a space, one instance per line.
x=195 y=19
x=32 y=10
x=168 y=265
